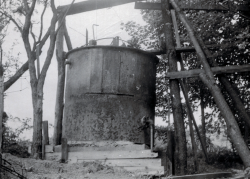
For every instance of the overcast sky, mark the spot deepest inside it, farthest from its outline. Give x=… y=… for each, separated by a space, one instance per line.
x=18 y=100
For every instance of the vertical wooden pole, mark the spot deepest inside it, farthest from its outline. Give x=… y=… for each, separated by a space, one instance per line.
x=171 y=153
x=178 y=43
x=1 y=100
x=46 y=132
x=43 y=149
x=180 y=136
x=209 y=80
x=87 y=37
x=203 y=122
x=246 y=135
x=184 y=88
x=45 y=138
x=67 y=38
x=64 y=154
x=1 y=106
x=60 y=84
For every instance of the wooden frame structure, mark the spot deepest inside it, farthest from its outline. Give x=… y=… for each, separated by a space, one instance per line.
x=99 y=4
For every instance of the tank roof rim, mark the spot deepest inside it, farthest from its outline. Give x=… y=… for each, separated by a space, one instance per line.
x=109 y=46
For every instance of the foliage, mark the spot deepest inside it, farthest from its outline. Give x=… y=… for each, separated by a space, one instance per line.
x=11 y=142
x=227 y=31
x=161 y=132
x=24 y=14
x=221 y=159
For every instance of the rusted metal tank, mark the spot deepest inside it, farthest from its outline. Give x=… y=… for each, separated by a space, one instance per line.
x=108 y=90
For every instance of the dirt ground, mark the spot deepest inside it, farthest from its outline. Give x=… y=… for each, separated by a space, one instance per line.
x=44 y=169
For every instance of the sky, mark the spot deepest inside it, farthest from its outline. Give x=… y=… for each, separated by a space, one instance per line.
x=18 y=97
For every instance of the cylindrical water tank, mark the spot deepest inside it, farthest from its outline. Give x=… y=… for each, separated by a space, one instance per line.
x=108 y=90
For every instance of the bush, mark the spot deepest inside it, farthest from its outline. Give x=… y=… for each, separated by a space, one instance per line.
x=12 y=143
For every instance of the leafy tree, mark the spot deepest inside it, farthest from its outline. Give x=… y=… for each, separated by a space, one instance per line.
x=11 y=142
x=218 y=28
x=22 y=17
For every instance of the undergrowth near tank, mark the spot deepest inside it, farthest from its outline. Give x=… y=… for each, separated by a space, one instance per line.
x=220 y=160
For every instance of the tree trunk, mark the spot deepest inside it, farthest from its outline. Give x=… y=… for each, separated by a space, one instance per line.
x=180 y=136
x=60 y=85
x=208 y=79
x=35 y=147
x=37 y=134
x=203 y=122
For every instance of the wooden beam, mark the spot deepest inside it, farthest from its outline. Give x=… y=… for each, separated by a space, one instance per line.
x=91 y=5
x=215 y=70
x=181 y=49
x=148 y=5
x=194 y=6
x=67 y=38
x=60 y=83
x=64 y=153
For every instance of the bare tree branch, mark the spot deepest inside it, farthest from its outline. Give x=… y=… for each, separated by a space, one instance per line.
x=25 y=36
x=32 y=7
x=50 y=52
x=34 y=37
x=13 y=20
x=53 y=7
x=41 y=28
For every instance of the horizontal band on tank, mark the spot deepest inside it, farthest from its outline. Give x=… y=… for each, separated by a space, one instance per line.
x=114 y=47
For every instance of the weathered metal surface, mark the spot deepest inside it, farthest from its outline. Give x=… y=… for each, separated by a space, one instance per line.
x=108 y=90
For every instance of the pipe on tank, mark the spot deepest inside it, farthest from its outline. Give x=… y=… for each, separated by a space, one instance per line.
x=149 y=122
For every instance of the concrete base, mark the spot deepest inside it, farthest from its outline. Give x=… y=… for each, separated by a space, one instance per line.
x=127 y=155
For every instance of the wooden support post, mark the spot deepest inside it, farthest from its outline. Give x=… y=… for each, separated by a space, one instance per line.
x=246 y=136
x=1 y=107
x=230 y=87
x=64 y=155
x=45 y=138
x=203 y=121
x=67 y=38
x=1 y=99
x=180 y=137
x=1 y=163
x=60 y=84
x=190 y=113
x=46 y=132
x=170 y=159
x=87 y=37
x=209 y=80
x=178 y=43
x=43 y=149
x=247 y=133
